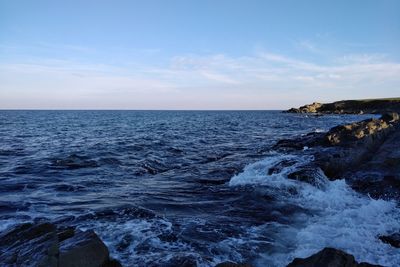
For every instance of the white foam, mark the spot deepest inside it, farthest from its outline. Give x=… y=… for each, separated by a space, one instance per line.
x=143 y=236
x=341 y=218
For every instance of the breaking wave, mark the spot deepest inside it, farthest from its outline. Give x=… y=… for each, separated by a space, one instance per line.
x=334 y=216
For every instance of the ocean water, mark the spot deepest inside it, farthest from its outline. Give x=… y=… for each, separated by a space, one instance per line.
x=163 y=186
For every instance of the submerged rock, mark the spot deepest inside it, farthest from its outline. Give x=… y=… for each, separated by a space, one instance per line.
x=393 y=239
x=329 y=257
x=232 y=264
x=43 y=244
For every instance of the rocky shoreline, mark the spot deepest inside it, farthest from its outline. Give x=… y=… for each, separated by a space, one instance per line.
x=368 y=106
x=365 y=153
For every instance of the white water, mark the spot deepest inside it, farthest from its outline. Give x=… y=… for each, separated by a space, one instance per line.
x=338 y=217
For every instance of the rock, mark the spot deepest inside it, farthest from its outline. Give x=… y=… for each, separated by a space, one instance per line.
x=232 y=264
x=346 y=148
x=308 y=140
x=311 y=108
x=83 y=249
x=393 y=239
x=181 y=260
x=390 y=117
x=371 y=106
x=329 y=257
x=369 y=131
x=310 y=174
x=30 y=245
x=43 y=244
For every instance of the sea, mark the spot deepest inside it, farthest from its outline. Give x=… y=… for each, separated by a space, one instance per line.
x=168 y=188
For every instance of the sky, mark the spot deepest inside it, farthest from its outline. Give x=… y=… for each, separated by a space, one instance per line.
x=208 y=54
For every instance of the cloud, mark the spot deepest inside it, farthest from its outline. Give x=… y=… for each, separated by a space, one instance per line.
x=260 y=81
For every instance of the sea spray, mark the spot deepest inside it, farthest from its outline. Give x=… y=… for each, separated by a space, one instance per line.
x=336 y=216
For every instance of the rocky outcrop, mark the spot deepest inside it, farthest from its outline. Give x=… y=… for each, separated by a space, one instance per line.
x=44 y=244
x=312 y=108
x=329 y=257
x=370 y=106
x=393 y=239
x=366 y=153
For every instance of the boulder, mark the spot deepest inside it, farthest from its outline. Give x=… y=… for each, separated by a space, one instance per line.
x=329 y=257
x=43 y=244
x=393 y=239
x=83 y=249
x=30 y=245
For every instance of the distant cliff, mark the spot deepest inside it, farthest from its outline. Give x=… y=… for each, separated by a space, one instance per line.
x=370 y=106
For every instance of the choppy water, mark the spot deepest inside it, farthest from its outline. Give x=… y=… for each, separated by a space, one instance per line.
x=159 y=186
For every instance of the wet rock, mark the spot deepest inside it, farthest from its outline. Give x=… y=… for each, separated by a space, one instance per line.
x=351 y=148
x=63 y=234
x=74 y=161
x=83 y=249
x=30 y=245
x=393 y=239
x=277 y=168
x=329 y=257
x=181 y=260
x=308 y=140
x=43 y=244
x=232 y=264
x=310 y=174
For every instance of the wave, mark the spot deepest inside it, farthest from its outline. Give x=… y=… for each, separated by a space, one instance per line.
x=337 y=216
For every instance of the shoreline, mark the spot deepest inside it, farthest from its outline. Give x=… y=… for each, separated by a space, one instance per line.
x=363 y=106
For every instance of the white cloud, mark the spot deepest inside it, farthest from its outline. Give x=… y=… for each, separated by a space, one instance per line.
x=261 y=81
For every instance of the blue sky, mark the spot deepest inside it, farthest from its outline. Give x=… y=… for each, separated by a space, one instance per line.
x=196 y=54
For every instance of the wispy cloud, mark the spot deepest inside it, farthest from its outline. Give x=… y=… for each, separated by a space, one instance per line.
x=262 y=80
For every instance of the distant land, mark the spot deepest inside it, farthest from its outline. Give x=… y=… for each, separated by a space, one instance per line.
x=361 y=106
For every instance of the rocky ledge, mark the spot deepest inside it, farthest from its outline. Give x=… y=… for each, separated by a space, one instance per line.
x=365 y=153
x=370 y=106
x=46 y=245
x=329 y=257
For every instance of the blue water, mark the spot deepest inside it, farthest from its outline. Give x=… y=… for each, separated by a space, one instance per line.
x=161 y=187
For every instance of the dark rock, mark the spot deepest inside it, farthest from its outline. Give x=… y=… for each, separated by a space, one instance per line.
x=310 y=174
x=232 y=264
x=277 y=168
x=30 y=245
x=371 y=106
x=112 y=263
x=345 y=149
x=63 y=234
x=393 y=239
x=83 y=249
x=308 y=140
x=390 y=117
x=45 y=245
x=329 y=257
x=181 y=260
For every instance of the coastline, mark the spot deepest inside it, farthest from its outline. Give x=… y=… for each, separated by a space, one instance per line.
x=363 y=106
